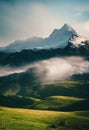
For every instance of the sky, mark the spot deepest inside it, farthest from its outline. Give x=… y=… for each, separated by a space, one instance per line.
x=22 y=19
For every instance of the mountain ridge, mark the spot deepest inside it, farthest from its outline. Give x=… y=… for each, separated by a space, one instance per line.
x=59 y=38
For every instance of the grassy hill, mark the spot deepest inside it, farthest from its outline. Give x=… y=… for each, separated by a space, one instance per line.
x=26 y=87
x=56 y=102
x=18 y=101
x=63 y=97
x=24 y=119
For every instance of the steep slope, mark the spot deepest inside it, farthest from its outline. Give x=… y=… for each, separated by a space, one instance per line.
x=60 y=37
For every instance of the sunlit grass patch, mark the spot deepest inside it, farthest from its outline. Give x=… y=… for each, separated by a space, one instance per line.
x=24 y=119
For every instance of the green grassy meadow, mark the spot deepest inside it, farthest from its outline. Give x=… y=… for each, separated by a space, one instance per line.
x=50 y=106
x=25 y=119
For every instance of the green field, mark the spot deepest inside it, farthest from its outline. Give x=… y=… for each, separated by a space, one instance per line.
x=51 y=106
x=24 y=119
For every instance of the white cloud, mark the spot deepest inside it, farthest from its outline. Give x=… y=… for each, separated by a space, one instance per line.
x=54 y=69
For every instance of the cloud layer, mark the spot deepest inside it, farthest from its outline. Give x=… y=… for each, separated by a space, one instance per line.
x=54 y=69
x=57 y=69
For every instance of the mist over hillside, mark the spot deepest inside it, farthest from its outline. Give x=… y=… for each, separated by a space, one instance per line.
x=53 y=69
x=57 y=66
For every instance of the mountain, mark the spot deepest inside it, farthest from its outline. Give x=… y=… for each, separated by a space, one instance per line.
x=59 y=38
x=50 y=73
x=20 y=45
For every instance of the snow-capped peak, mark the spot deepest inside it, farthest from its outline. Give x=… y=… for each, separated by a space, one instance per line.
x=67 y=27
x=59 y=38
x=64 y=30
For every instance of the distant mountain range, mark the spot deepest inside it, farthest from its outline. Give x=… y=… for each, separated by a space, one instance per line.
x=59 y=38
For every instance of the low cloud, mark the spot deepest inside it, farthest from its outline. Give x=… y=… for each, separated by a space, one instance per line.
x=7 y=70
x=54 y=69
x=57 y=69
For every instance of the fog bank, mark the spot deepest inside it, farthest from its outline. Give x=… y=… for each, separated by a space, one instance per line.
x=54 y=69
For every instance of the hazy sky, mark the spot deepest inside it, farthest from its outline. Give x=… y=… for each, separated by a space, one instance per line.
x=21 y=19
